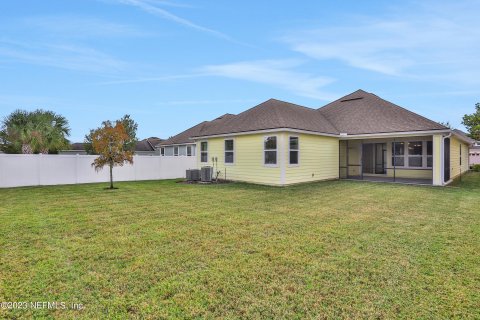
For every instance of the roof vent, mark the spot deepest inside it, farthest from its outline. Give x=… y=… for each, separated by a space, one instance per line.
x=351 y=99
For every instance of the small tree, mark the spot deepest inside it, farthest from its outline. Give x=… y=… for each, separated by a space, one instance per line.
x=108 y=142
x=472 y=123
x=130 y=128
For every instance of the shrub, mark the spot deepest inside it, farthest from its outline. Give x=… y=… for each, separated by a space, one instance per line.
x=476 y=167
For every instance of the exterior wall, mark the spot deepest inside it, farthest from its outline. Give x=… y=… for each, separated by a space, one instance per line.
x=318 y=159
x=248 y=159
x=18 y=170
x=457 y=157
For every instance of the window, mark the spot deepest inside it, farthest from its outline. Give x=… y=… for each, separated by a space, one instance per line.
x=189 y=151
x=398 y=154
x=429 y=154
x=229 y=152
x=175 y=151
x=169 y=151
x=162 y=151
x=270 y=150
x=293 y=150
x=204 y=151
x=415 y=152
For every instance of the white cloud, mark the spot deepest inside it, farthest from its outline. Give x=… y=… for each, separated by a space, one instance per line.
x=64 y=56
x=157 y=11
x=80 y=27
x=432 y=41
x=277 y=73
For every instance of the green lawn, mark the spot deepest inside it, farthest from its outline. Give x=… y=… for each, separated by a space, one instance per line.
x=160 y=249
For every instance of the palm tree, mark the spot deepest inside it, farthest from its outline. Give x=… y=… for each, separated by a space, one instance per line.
x=17 y=131
x=38 y=131
x=50 y=131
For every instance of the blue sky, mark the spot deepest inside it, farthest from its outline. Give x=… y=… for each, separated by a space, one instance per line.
x=171 y=64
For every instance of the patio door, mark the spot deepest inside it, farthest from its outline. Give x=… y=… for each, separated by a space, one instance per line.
x=380 y=158
x=446 y=160
x=374 y=156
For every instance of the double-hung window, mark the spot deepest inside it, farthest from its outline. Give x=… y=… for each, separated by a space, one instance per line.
x=415 y=154
x=189 y=151
x=162 y=151
x=175 y=151
x=293 y=150
x=398 y=154
x=229 y=151
x=204 y=151
x=270 y=150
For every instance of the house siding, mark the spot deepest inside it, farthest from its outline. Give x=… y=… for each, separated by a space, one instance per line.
x=455 y=168
x=318 y=159
x=248 y=164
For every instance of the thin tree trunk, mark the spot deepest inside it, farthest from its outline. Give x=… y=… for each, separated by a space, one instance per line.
x=111 y=176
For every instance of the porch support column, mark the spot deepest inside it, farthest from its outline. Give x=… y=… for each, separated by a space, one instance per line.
x=437 y=160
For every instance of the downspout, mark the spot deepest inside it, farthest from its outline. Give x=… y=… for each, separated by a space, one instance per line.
x=442 y=166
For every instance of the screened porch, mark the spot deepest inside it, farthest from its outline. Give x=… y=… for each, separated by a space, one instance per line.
x=400 y=160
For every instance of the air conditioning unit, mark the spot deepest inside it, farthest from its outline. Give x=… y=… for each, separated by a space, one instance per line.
x=206 y=174
x=188 y=175
x=193 y=175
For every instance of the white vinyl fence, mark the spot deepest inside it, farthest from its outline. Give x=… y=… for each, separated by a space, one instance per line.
x=32 y=170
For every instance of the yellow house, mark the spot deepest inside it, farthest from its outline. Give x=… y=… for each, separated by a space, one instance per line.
x=359 y=136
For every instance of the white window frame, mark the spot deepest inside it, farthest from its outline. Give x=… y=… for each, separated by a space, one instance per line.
x=189 y=147
x=406 y=154
x=177 y=148
x=297 y=150
x=201 y=151
x=271 y=165
x=420 y=156
x=233 y=151
x=162 y=151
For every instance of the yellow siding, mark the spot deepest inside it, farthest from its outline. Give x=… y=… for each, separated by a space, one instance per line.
x=318 y=159
x=248 y=164
x=455 y=168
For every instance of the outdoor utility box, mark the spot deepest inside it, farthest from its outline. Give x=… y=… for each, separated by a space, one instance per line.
x=193 y=175
x=206 y=174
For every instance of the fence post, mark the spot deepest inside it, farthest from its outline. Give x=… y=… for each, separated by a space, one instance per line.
x=76 y=168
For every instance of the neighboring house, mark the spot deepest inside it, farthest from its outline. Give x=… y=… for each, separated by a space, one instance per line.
x=145 y=147
x=475 y=153
x=148 y=147
x=75 y=148
x=182 y=144
x=359 y=136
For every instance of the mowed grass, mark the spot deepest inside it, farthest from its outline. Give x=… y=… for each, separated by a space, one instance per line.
x=161 y=249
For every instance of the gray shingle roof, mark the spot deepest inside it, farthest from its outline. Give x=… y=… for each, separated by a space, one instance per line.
x=364 y=113
x=147 y=144
x=357 y=113
x=184 y=137
x=271 y=114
